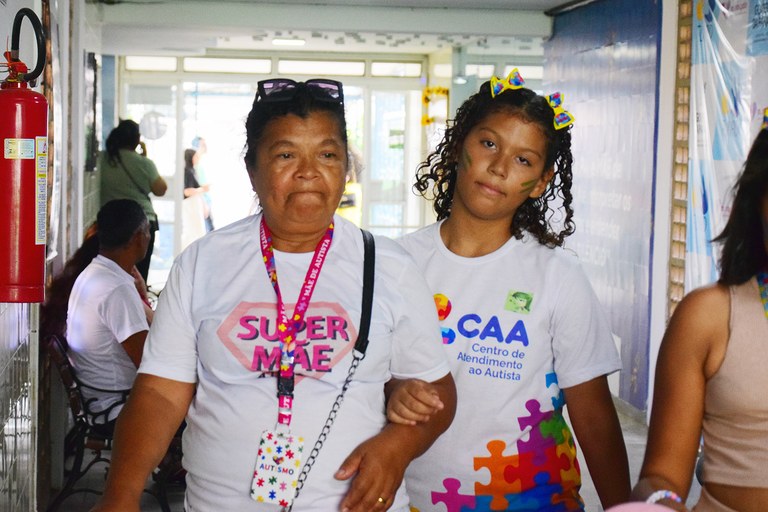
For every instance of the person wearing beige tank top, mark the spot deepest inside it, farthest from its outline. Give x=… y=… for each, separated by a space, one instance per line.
x=711 y=373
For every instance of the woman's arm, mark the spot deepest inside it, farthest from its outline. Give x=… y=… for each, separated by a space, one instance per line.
x=159 y=186
x=145 y=427
x=598 y=431
x=378 y=464
x=691 y=351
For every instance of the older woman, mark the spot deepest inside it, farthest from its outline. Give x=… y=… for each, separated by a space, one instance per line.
x=217 y=351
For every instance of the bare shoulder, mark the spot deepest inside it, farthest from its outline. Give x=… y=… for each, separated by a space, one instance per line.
x=700 y=325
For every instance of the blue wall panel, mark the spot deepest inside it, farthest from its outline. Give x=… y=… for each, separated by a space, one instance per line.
x=603 y=58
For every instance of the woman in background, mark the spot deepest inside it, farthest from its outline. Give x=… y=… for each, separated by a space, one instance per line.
x=126 y=174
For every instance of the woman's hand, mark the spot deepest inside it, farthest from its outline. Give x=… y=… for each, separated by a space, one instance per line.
x=142 y=148
x=412 y=401
x=377 y=467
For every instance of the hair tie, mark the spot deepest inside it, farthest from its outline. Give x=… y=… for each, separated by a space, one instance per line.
x=765 y=119
x=562 y=118
x=512 y=82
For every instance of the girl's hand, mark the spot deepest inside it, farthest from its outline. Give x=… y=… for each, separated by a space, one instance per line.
x=142 y=148
x=413 y=401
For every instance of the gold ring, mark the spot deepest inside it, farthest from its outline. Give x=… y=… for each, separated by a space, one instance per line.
x=381 y=500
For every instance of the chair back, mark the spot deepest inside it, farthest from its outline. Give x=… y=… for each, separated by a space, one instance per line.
x=56 y=348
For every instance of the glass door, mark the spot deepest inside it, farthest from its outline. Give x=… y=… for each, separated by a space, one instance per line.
x=391 y=208
x=154 y=108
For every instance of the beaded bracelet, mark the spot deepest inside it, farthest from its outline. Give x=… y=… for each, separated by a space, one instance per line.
x=664 y=495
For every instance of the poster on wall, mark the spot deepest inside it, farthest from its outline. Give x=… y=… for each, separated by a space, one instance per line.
x=53 y=94
x=729 y=52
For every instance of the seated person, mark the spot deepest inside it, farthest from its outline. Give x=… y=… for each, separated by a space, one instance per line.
x=106 y=321
x=53 y=312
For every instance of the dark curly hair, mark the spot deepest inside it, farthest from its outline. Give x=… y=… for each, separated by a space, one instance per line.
x=743 y=237
x=436 y=176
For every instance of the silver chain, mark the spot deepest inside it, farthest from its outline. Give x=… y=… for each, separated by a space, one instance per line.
x=326 y=428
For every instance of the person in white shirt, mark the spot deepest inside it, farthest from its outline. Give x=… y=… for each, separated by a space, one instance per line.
x=251 y=305
x=106 y=319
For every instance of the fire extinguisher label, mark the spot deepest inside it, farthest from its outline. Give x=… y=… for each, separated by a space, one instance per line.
x=41 y=168
x=19 y=149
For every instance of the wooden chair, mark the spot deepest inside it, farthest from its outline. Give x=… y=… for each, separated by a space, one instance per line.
x=88 y=435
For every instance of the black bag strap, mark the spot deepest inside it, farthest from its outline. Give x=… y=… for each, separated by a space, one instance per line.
x=132 y=178
x=369 y=264
x=369 y=261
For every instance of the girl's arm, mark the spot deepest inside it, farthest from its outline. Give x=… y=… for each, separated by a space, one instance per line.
x=691 y=351
x=598 y=431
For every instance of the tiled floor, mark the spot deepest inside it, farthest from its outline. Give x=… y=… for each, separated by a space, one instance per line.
x=634 y=436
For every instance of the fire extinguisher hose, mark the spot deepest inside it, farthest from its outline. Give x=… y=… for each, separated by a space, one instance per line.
x=39 y=35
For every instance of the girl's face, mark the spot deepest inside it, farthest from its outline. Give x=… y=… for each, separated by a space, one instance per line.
x=299 y=172
x=500 y=166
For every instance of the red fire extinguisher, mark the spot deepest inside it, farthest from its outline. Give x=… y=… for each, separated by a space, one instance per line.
x=23 y=173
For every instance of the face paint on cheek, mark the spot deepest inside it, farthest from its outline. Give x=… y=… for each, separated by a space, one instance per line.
x=466 y=160
x=528 y=186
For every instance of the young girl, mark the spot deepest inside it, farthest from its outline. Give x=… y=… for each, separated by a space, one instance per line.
x=521 y=325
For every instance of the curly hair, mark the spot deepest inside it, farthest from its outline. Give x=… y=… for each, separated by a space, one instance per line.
x=436 y=176
x=743 y=238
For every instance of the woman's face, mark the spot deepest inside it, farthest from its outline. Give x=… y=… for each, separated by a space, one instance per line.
x=299 y=172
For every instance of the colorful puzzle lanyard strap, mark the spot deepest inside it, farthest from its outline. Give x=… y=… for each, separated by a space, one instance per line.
x=286 y=328
x=762 y=283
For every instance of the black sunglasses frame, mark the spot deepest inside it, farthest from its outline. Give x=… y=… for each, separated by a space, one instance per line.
x=320 y=89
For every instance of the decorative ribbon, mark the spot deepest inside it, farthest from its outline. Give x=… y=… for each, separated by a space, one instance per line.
x=512 y=82
x=563 y=118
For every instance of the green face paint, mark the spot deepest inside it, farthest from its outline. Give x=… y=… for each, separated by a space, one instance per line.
x=528 y=186
x=466 y=159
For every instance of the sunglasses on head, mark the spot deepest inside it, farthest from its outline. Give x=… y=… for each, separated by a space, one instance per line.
x=284 y=89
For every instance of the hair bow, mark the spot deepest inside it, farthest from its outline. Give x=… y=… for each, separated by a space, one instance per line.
x=512 y=82
x=563 y=118
x=765 y=119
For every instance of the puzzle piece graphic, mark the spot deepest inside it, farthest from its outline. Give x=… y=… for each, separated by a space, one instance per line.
x=521 y=474
x=497 y=464
x=536 y=441
x=569 y=500
x=545 y=492
x=558 y=402
x=452 y=499
x=554 y=428
x=570 y=472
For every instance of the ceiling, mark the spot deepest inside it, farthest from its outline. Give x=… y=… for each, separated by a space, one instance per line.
x=206 y=27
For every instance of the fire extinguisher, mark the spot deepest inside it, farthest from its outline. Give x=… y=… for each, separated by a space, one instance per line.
x=23 y=173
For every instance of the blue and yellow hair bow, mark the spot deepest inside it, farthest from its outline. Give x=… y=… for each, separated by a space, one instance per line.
x=563 y=118
x=512 y=82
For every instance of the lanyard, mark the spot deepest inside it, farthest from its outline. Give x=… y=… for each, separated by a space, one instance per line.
x=287 y=329
x=762 y=283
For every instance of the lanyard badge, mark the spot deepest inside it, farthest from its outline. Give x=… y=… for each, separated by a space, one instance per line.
x=278 y=463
